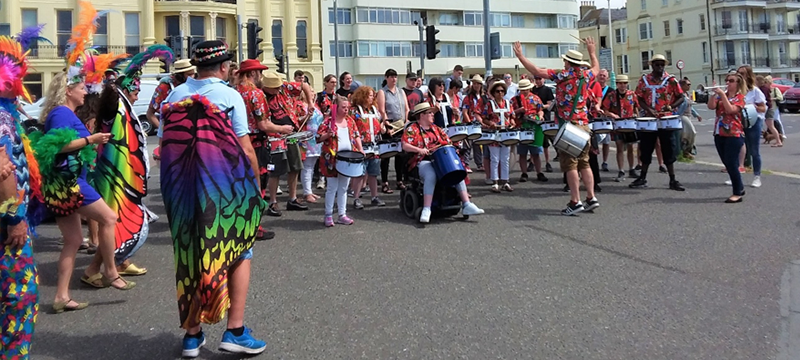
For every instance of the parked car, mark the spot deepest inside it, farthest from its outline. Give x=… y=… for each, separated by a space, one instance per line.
x=146 y=90
x=791 y=98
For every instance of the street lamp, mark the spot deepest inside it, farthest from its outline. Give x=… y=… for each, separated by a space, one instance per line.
x=336 y=35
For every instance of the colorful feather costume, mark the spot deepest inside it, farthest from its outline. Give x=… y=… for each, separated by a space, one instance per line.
x=76 y=45
x=212 y=202
x=134 y=69
x=95 y=68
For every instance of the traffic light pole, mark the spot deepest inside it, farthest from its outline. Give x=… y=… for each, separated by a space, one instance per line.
x=239 y=26
x=421 y=28
x=336 y=34
x=487 y=53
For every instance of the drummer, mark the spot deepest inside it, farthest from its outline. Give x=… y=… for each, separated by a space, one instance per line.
x=337 y=133
x=622 y=104
x=365 y=110
x=472 y=108
x=421 y=139
x=500 y=116
x=529 y=111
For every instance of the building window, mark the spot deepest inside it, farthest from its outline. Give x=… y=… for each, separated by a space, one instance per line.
x=473 y=49
x=450 y=50
x=646 y=55
x=668 y=55
x=745 y=46
x=705 y=52
x=277 y=38
x=621 y=35
x=547 y=51
x=302 y=39
x=666 y=28
x=518 y=21
x=644 y=5
x=702 y=22
x=446 y=18
x=645 y=31
x=30 y=17
x=473 y=18
x=563 y=48
x=345 y=49
x=197 y=27
x=173 y=24
x=622 y=61
x=132 y=33
x=374 y=81
x=33 y=82
x=63 y=29
x=500 y=20
x=727 y=19
x=664 y=2
x=386 y=16
x=679 y=26
x=384 y=49
x=545 y=22
x=345 y=16
x=221 y=28
x=100 y=38
x=567 y=21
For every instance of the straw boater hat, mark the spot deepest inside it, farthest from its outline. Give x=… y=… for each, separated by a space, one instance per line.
x=575 y=57
x=183 y=65
x=525 y=84
x=622 y=78
x=272 y=80
x=496 y=84
x=477 y=78
x=421 y=108
x=659 y=57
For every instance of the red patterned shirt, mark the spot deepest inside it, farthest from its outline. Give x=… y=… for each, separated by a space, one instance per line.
x=625 y=106
x=659 y=93
x=474 y=104
x=363 y=124
x=160 y=94
x=730 y=125
x=429 y=139
x=256 y=104
x=327 y=165
x=282 y=105
x=567 y=83
x=532 y=105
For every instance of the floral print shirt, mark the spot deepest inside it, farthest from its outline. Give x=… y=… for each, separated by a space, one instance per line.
x=429 y=139
x=532 y=105
x=659 y=93
x=623 y=105
x=160 y=94
x=256 y=104
x=730 y=125
x=327 y=165
x=363 y=124
x=474 y=104
x=567 y=83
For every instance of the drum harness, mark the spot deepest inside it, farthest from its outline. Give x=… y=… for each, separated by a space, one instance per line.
x=654 y=88
x=501 y=112
x=369 y=117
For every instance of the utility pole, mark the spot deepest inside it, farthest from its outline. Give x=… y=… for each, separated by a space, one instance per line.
x=239 y=31
x=711 y=45
x=336 y=34
x=610 y=41
x=487 y=55
x=421 y=28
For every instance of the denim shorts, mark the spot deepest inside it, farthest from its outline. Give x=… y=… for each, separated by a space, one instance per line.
x=247 y=255
x=525 y=149
x=372 y=167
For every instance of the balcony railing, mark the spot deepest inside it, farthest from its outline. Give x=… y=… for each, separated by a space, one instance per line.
x=783 y=29
x=735 y=29
x=50 y=52
x=756 y=62
x=216 y=1
x=735 y=1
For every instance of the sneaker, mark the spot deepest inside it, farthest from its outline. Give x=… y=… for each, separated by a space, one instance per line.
x=597 y=188
x=245 y=344
x=351 y=193
x=541 y=177
x=783 y=137
x=328 y=221
x=728 y=182
x=530 y=165
x=573 y=209
x=566 y=188
x=273 y=210
x=662 y=169
x=321 y=184
x=507 y=187
x=591 y=204
x=495 y=188
x=192 y=345
x=638 y=184
x=366 y=189
x=469 y=171
x=548 y=168
x=425 y=217
x=620 y=176
x=638 y=167
x=151 y=216
x=471 y=209
x=295 y=205
x=633 y=174
x=523 y=178
x=676 y=185
x=756 y=182
x=357 y=204
x=377 y=202
x=279 y=192
x=263 y=235
x=488 y=181
x=605 y=167
x=344 y=220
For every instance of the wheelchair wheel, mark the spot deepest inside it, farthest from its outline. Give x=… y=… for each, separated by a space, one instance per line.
x=410 y=204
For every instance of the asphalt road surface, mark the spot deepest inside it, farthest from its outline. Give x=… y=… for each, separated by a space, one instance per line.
x=652 y=274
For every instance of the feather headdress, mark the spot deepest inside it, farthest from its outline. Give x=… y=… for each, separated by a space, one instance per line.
x=30 y=36
x=138 y=61
x=81 y=34
x=95 y=68
x=13 y=67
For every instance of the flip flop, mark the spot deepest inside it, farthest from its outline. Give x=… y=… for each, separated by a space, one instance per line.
x=93 y=281
x=133 y=270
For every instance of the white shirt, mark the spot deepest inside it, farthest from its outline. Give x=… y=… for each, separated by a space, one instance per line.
x=512 y=91
x=755 y=96
x=343 y=135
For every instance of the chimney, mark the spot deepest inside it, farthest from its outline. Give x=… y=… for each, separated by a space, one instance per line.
x=586 y=7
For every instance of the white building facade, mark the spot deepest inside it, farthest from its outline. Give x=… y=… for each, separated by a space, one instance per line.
x=377 y=35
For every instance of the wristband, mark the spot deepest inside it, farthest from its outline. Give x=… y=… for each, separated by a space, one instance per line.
x=87 y=141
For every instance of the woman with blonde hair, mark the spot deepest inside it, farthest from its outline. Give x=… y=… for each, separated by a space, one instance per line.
x=773 y=112
x=368 y=121
x=729 y=132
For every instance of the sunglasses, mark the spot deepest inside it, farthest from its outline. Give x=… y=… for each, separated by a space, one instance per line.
x=500 y=91
x=731 y=80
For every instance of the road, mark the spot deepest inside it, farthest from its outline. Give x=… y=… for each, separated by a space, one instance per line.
x=653 y=274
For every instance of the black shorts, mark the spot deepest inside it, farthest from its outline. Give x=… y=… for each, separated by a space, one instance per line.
x=290 y=161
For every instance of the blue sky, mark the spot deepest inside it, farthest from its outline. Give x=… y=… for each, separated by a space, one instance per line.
x=615 y=4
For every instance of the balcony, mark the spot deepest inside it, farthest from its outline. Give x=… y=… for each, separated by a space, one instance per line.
x=214 y=1
x=784 y=32
x=176 y=6
x=783 y=4
x=742 y=31
x=717 y=4
x=53 y=52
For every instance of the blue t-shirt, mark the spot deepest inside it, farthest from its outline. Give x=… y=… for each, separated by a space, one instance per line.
x=62 y=117
x=218 y=92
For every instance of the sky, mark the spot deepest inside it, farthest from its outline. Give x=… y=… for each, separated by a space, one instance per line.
x=615 y=4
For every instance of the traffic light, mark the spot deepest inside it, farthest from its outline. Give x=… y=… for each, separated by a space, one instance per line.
x=431 y=41
x=192 y=42
x=253 y=41
x=164 y=67
x=175 y=43
x=494 y=46
x=279 y=59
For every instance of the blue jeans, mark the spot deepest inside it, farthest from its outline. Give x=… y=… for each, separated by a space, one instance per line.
x=752 y=139
x=728 y=149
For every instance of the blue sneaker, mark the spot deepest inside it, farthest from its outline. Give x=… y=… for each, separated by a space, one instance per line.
x=192 y=345
x=245 y=344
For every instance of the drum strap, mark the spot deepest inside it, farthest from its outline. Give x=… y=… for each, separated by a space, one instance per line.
x=501 y=112
x=654 y=88
x=443 y=109
x=574 y=103
x=369 y=118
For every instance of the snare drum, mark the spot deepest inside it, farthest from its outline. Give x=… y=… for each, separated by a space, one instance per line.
x=601 y=126
x=388 y=148
x=370 y=149
x=508 y=137
x=625 y=125
x=571 y=139
x=277 y=145
x=527 y=137
x=300 y=136
x=349 y=163
x=457 y=133
x=488 y=137
x=671 y=122
x=474 y=131
x=749 y=116
x=647 y=124
x=550 y=128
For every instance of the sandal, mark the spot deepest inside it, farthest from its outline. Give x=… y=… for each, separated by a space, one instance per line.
x=95 y=281
x=401 y=186
x=60 y=307
x=386 y=189
x=132 y=270
x=777 y=145
x=128 y=284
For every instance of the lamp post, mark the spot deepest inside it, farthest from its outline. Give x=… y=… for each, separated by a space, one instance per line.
x=610 y=37
x=336 y=34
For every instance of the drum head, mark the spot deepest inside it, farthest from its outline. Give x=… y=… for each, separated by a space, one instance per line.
x=350 y=156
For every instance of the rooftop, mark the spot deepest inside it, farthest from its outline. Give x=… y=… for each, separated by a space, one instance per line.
x=593 y=16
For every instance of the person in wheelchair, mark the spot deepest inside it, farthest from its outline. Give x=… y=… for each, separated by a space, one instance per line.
x=421 y=139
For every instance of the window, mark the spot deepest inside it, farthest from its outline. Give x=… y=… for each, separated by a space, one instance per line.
x=374 y=81
x=730 y=54
x=622 y=62
x=745 y=47
x=508 y=50
x=547 y=51
x=666 y=28
x=473 y=19
x=702 y=22
x=645 y=31
x=518 y=21
x=100 y=38
x=132 y=33
x=567 y=21
x=384 y=49
x=450 y=50
x=664 y=2
x=679 y=26
x=63 y=29
x=545 y=22
x=221 y=29
x=563 y=48
x=474 y=50
x=705 y=52
x=30 y=18
x=743 y=21
x=33 y=82
x=644 y=5
x=173 y=25
x=345 y=16
x=782 y=53
x=727 y=19
x=277 y=38
x=646 y=55
x=446 y=18
x=197 y=27
x=668 y=55
x=386 y=16
x=302 y=39
x=345 y=49
x=621 y=35
x=500 y=19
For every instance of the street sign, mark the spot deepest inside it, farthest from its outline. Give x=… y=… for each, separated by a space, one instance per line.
x=605 y=59
x=680 y=64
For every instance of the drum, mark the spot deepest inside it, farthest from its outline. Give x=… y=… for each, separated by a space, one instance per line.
x=277 y=145
x=487 y=137
x=749 y=115
x=647 y=124
x=671 y=122
x=449 y=169
x=474 y=131
x=457 y=132
x=571 y=139
x=625 y=125
x=527 y=137
x=508 y=137
x=388 y=148
x=370 y=149
x=550 y=128
x=300 y=136
x=350 y=163
x=602 y=126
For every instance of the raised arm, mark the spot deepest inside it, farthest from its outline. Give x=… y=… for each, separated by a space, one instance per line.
x=529 y=65
x=591 y=47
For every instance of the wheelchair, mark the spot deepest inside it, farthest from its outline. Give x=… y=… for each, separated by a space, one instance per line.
x=446 y=199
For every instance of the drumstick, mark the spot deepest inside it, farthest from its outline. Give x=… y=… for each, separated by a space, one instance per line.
x=577 y=38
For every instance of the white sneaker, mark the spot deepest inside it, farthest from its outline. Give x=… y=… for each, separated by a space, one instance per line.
x=425 y=217
x=471 y=209
x=321 y=184
x=728 y=182
x=279 y=192
x=756 y=182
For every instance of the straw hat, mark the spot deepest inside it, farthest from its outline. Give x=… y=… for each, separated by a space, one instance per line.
x=183 y=65
x=622 y=78
x=659 y=57
x=421 y=108
x=477 y=78
x=525 y=84
x=496 y=84
x=575 y=57
x=271 y=80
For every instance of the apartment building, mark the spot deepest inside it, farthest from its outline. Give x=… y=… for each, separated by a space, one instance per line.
x=594 y=22
x=290 y=27
x=376 y=35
